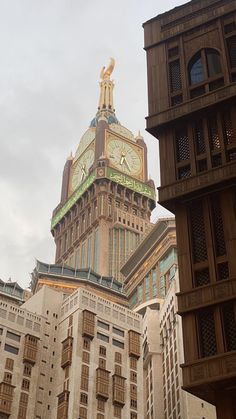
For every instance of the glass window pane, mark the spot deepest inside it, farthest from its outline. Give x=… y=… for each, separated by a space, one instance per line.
x=213 y=63
x=196 y=70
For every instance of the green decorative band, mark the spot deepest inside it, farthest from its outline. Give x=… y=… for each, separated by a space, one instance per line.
x=108 y=173
x=73 y=199
x=131 y=183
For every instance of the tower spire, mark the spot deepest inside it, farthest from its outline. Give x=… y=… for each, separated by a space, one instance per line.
x=106 y=88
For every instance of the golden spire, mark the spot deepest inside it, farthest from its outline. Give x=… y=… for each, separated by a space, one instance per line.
x=106 y=86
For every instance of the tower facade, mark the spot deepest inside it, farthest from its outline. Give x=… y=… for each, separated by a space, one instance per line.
x=106 y=197
x=191 y=61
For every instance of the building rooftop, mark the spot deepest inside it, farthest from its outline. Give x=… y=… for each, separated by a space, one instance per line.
x=66 y=272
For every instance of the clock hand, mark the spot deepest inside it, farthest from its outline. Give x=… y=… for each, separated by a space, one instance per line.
x=122 y=159
x=83 y=172
x=127 y=164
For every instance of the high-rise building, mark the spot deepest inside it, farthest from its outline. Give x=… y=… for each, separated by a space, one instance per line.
x=191 y=64
x=151 y=268
x=151 y=275
x=106 y=197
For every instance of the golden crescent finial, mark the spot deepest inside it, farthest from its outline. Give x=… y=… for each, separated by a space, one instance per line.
x=105 y=73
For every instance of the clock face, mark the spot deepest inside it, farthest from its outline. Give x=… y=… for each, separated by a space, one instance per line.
x=124 y=156
x=87 y=138
x=81 y=168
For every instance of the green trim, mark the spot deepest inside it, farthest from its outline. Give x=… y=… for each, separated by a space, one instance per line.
x=74 y=198
x=131 y=183
x=111 y=174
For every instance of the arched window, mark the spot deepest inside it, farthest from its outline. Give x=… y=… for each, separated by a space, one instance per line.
x=205 y=70
x=196 y=69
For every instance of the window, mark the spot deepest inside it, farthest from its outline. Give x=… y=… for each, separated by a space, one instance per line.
x=118 y=343
x=229 y=322
x=231 y=45
x=117 y=369
x=103 y=337
x=204 y=69
x=86 y=344
x=7 y=377
x=27 y=370
x=197 y=72
x=9 y=364
x=13 y=336
x=175 y=76
x=133 y=376
x=207 y=336
x=133 y=363
x=118 y=357
x=101 y=405
x=83 y=398
x=102 y=350
x=102 y=363
x=25 y=384
x=118 y=331
x=11 y=349
x=117 y=411
x=86 y=357
x=103 y=325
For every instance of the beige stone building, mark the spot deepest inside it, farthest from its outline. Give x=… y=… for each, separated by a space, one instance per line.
x=178 y=403
x=78 y=357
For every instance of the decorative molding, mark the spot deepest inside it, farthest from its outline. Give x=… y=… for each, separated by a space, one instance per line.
x=112 y=175
x=207 y=295
x=195 y=183
x=208 y=370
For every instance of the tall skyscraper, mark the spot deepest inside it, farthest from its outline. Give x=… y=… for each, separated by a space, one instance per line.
x=106 y=197
x=191 y=62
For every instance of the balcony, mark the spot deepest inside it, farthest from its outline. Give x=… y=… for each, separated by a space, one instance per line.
x=30 y=349
x=200 y=297
x=191 y=185
x=118 y=390
x=88 y=326
x=66 y=355
x=102 y=383
x=63 y=404
x=134 y=344
x=6 y=397
x=204 y=376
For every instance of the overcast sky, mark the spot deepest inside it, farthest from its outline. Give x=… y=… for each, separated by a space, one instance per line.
x=52 y=52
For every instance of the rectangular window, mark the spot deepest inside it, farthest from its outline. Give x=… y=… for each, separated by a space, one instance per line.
x=11 y=349
x=175 y=76
x=213 y=132
x=25 y=384
x=231 y=44
x=9 y=364
x=103 y=337
x=207 y=336
x=118 y=331
x=102 y=351
x=118 y=357
x=182 y=145
x=118 y=343
x=103 y=325
x=27 y=370
x=198 y=232
x=13 y=336
x=229 y=322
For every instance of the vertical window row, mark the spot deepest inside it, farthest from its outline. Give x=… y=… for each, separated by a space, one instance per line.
x=175 y=81
x=182 y=154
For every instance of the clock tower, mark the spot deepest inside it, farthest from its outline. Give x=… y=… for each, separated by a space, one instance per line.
x=106 y=197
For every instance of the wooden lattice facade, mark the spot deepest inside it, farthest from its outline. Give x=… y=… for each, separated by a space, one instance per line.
x=191 y=61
